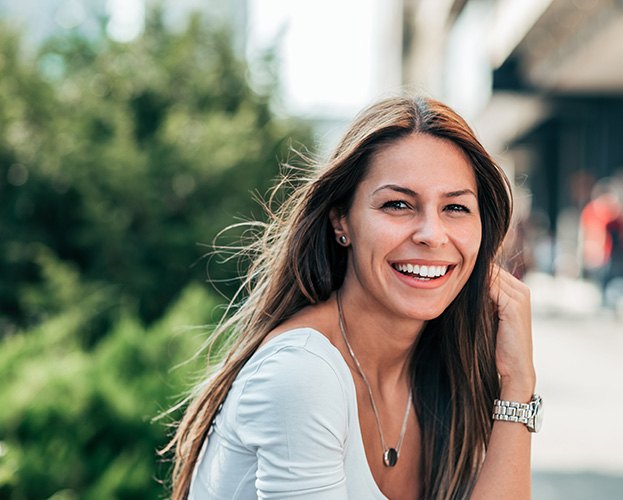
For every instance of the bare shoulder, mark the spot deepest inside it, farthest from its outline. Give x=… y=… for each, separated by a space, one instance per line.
x=321 y=317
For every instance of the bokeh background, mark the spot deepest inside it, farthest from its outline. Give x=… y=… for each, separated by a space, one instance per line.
x=133 y=131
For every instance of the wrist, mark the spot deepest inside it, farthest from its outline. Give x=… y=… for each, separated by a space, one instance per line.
x=517 y=389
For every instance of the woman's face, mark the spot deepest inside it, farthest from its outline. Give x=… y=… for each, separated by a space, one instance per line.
x=414 y=227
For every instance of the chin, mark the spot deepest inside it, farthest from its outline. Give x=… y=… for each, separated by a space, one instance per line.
x=426 y=314
x=432 y=316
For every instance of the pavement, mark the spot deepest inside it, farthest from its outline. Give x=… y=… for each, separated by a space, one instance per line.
x=578 y=353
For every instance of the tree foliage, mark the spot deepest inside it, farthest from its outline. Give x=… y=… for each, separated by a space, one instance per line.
x=77 y=420
x=123 y=158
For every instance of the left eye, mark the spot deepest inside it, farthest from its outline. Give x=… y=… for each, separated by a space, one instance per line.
x=457 y=208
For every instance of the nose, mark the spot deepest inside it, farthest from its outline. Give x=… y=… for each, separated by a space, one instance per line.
x=430 y=230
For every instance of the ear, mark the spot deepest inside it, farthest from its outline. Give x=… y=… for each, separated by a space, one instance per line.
x=340 y=227
x=338 y=222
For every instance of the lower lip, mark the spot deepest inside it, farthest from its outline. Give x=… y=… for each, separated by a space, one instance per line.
x=422 y=283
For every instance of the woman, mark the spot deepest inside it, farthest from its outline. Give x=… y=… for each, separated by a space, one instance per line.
x=376 y=333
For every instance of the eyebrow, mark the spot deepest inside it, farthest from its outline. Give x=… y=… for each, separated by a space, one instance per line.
x=410 y=192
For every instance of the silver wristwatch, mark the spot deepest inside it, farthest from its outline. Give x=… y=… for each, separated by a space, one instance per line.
x=530 y=414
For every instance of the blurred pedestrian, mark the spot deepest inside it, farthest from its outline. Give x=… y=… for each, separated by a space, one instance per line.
x=600 y=233
x=377 y=335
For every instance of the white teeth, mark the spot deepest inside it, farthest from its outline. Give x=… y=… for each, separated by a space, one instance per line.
x=422 y=271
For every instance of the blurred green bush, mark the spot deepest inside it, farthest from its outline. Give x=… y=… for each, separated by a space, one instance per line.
x=115 y=161
x=76 y=422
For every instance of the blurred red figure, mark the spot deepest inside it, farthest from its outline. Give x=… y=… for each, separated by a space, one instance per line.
x=600 y=220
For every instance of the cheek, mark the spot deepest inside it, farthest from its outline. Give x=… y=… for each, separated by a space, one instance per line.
x=372 y=239
x=372 y=230
x=468 y=241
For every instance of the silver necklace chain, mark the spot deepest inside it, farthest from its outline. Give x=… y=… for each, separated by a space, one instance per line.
x=390 y=455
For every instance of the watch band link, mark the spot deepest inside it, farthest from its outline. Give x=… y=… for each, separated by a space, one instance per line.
x=511 y=411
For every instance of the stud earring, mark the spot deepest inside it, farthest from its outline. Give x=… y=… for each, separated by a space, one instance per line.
x=342 y=240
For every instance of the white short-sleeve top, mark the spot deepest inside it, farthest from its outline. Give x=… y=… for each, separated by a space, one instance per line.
x=289 y=428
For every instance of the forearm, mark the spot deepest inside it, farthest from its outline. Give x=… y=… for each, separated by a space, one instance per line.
x=505 y=473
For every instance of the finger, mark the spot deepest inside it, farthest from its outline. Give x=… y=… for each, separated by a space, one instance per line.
x=513 y=287
x=508 y=292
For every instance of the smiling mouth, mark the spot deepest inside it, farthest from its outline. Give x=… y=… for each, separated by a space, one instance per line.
x=422 y=272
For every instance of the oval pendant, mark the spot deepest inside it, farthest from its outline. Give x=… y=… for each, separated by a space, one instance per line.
x=390 y=457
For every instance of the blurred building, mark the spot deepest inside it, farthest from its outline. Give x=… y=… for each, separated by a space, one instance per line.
x=542 y=81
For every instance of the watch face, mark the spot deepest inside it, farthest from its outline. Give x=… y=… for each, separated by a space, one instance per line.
x=537 y=419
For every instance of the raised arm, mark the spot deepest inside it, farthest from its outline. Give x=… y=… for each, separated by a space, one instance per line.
x=506 y=470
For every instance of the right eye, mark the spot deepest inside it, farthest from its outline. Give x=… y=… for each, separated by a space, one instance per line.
x=395 y=205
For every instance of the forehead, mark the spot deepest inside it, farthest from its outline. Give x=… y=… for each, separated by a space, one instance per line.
x=422 y=161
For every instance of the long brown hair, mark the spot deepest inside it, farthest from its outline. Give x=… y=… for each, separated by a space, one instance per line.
x=297 y=262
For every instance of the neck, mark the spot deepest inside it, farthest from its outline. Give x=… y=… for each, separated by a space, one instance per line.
x=382 y=343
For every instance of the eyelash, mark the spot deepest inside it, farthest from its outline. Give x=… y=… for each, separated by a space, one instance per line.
x=402 y=205
x=395 y=205
x=455 y=207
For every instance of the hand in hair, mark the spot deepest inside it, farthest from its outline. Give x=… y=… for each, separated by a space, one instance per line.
x=514 y=337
